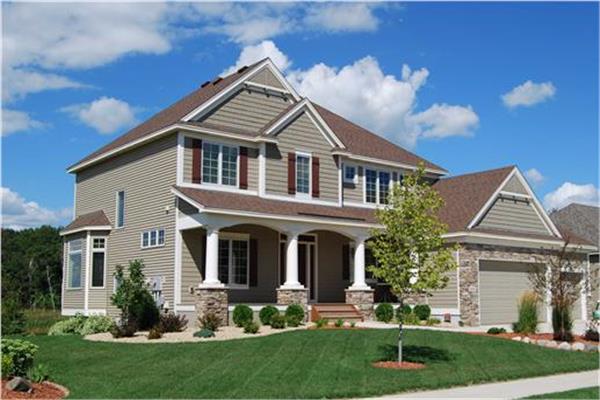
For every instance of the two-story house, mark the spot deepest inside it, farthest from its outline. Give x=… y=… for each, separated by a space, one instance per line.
x=245 y=192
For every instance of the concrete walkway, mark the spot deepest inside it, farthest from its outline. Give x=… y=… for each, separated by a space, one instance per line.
x=510 y=389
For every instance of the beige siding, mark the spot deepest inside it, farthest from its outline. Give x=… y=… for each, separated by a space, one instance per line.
x=513 y=215
x=98 y=297
x=248 y=110
x=447 y=297
x=192 y=255
x=330 y=284
x=252 y=158
x=74 y=298
x=146 y=175
x=266 y=77
x=514 y=185
x=301 y=136
x=354 y=192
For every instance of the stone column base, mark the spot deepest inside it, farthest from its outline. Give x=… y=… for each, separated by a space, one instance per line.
x=212 y=300
x=287 y=296
x=363 y=299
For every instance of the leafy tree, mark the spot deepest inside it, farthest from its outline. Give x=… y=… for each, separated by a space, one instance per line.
x=410 y=254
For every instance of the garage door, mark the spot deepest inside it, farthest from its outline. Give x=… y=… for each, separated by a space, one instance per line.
x=501 y=284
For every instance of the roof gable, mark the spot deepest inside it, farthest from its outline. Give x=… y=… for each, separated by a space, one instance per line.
x=579 y=219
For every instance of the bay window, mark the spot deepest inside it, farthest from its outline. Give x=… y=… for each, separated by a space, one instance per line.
x=219 y=164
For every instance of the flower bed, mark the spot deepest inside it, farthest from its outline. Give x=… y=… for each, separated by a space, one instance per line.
x=45 y=390
x=546 y=340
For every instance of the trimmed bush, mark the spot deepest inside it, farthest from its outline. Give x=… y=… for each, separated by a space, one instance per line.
x=278 y=321
x=204 y=333
x=155 y=333
x=242 y=314
x=495 y=330
x=210 y=321
x=71 y=326
x=384 y=312
x=251 y=327
x=96 y=324
x=266 y=313
x=404 y=310
x=528 y=313
x=144 y=311
x=422 y=311
x=294 y=314
x=562 y=323
x=21 y=354
x=170 y=322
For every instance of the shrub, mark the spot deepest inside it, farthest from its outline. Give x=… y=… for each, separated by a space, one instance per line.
x=204 y=333
x=266 y=313
x=242 y=314
x=71 y=326
x=294 y=314
x=21 y=354
x=210 y=321
x=144 y=311
x=7 y=366
x=96 y=324
x=123 y=330
x=411 y=319
x=591 y=331
x=170 y=322
x=278 y=321
x=155 y=333
x=352 y=324
x=384 y=312
x=432 y=321
x=495 y=330
x=320 y=323
x=251 y=327
x=562 y=323
x=339 y=323
x=13 y=318
x=38 y=374
x=528 y=313
x=404 y=310
x=422 y=311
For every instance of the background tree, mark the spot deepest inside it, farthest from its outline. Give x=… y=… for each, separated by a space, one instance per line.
x=560 y=276
x=411 y=255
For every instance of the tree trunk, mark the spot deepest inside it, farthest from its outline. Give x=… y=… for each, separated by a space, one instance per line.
x=50 y=287
x=400 y=331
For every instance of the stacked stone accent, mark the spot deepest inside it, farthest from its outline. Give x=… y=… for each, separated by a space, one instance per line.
x=212 y=300
x=363 y=300
x=299 y=296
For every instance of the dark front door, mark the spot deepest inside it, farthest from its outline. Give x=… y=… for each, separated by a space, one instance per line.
x=306 y=268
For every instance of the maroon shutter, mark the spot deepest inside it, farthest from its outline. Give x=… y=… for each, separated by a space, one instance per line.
x=243 y=168
x=253 y=280
x=292 y=173
x=346 y=262
x=196 y=161
x=315 y=176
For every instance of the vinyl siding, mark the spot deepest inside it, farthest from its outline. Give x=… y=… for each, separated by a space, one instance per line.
x=447 y=297
x=330 y=284
x=191 y=263
x=301 y=135
x=98 y=297
x=252 y=158
x=248 y=110
x=514 y=185
x=74 y=298
x=355 y=192
x=266 y=77
x=511 y=215
x=146 y=175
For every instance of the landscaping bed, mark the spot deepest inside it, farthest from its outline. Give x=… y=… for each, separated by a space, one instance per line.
x=44 y=390
x=545 y=339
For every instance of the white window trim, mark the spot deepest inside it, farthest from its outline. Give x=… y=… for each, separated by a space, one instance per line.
x=220 y=165
x=91 y=268
x=310 y=177
x=150 y=246
x=117 y=209
x=69 y=268
x=230 y=236
x=354 y=179
x=377 y=194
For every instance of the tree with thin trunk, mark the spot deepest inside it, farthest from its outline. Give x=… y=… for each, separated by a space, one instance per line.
x=410 y=253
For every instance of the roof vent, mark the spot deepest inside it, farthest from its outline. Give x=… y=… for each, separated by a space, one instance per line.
x=245 y=67
x=217 y=80
x=205 y=84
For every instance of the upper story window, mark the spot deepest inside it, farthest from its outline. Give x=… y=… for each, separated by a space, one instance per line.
x=384 y=187
x=98 y=262
x=377 y=186
x=303 y=173
x=349 y=173
x=220 y=164
x=120 y=209
x=153 y=238
x=74 y=263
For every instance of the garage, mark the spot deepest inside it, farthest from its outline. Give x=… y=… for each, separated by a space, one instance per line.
x=501 y=283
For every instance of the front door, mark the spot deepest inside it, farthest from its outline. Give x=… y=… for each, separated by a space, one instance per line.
x=307 y=272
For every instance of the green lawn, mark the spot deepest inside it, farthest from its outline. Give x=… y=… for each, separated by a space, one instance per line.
x=300 y=364
x=587 y=393
x=37 y=322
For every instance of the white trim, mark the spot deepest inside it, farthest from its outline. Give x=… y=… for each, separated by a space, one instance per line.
x=354 y=178
x=308 y=194
x=69 y=270
x=514 y=194
x=180 y=156
x=267 y=87
x=191 y=130
x=461 y=236
x=359 y=204
x=394 y=164
x=86 y=290
x=301 y=199
x=458 y=280
x=340 y=167
x=378 y=172
x=86 y=228
x=262 y=168
x=75 y=198
x=219 y=182
x=178 y=258
x=311 y=246
x=185 y=307
x=157 y=244
x=230 y=237
x=218 y=188
x=105 y=266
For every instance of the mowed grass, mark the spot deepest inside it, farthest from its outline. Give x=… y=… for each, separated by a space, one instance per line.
x=37 y=322
x=300 y=364
x=585 y=393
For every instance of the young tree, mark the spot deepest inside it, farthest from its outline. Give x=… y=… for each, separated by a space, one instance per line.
x=562 y=277
x=411 y=255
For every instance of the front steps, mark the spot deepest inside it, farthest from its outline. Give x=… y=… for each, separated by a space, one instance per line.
x=334 y=311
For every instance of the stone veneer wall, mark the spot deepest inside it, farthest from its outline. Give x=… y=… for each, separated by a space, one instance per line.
x=286 y=297
x=212 y=300
x=593 y=288
x=363 y=300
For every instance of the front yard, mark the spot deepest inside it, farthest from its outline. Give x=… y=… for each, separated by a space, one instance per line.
x=300 y=364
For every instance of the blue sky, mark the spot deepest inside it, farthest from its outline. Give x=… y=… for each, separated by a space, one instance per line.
x=468 y=86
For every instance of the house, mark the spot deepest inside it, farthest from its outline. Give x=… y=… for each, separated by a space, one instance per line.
x=583 y=220
x=245 y=192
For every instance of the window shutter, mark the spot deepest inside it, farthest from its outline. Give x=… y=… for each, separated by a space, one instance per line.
x=292 y=173
x=395 y=177
x=253 y=280
x=315 y=176
x=196 y=161
x=282 y=258
x=346 y=262
x=203 y=258
x=243 y=168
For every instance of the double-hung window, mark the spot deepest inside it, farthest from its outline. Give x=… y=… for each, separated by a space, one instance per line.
x=98 y=262
x=153 y=238
x=371 y=186
x=219 y=164
x=74 y=263
x=120 y=209
x=234 y=261
x=303 y=173
x=377 y=186
x=349 y=173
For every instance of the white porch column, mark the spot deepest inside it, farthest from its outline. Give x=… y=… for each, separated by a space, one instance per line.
x=212 y=264
x=291 y=262
x=359 y=265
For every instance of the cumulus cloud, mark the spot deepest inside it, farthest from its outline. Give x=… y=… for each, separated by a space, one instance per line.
x=443 y=120
x=534 y=176
x=17 y=121
x=572 y=193
x=342 y=17
x=18 y=83
x=18 y=213
x=251 y=54
x=529 y=94
x=106 y=114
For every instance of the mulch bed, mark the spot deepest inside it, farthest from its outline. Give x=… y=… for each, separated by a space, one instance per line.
x=535 y=336
x=45 y=390
x=397 y=365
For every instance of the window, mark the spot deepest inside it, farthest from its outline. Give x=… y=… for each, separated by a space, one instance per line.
x=233 y=262
x=153 y=238
x=377 y=186
x=303 y=173
x=120 y=209
x=98 y=261
x=349 y=173
x=74 y=264
x=219 y=164
x=370 y=186
x=384 y=187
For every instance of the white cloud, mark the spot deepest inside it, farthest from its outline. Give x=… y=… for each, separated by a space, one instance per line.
x=17 y=121
x=443 y=120
x=534 y=176
x=106 y=114
x=572 y=193
x=252 y=54
x=529 y=94
x=19 y=82
x=342 y=17
x=18 y=213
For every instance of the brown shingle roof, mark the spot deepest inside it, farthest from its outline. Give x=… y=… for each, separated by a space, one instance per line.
x=95 y=218
x=241 y=202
